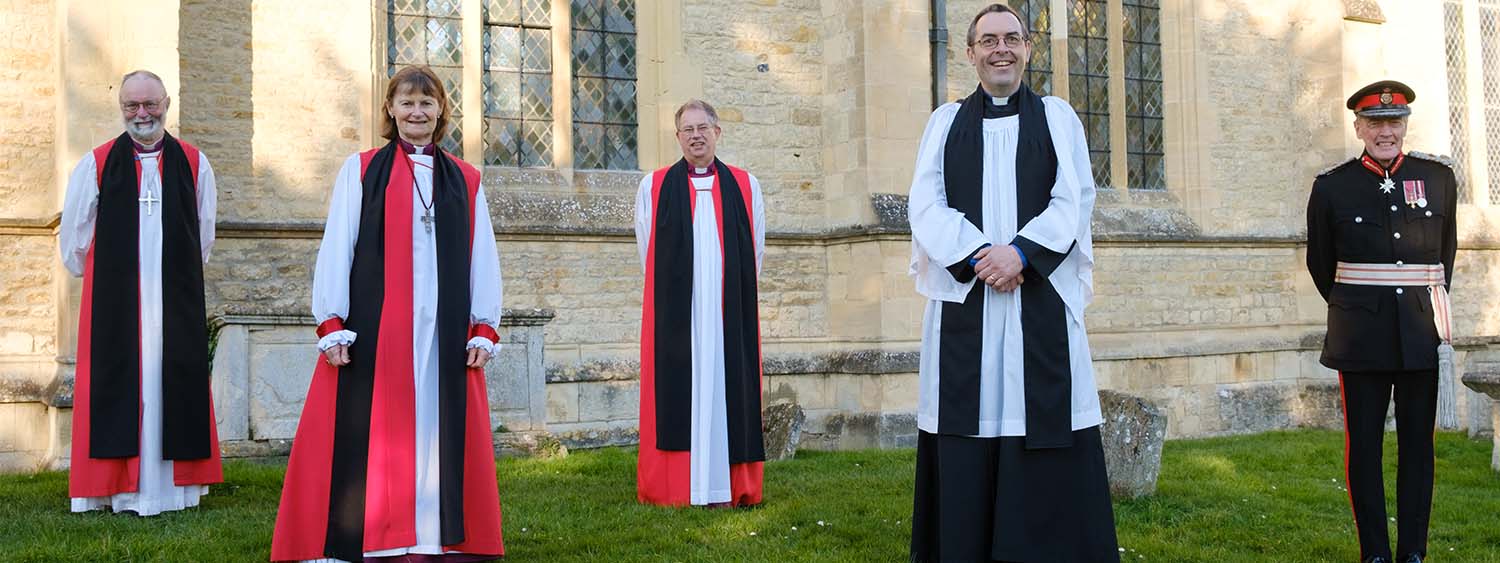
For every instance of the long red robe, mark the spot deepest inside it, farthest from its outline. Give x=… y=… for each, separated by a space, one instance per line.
x=390 y=495
x=662 y=476
x=92 y=477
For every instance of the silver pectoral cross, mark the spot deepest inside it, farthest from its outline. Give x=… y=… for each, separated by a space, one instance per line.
x=427 y=220
x=149 y=199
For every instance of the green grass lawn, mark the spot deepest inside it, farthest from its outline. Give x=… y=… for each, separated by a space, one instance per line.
x=1270 y=497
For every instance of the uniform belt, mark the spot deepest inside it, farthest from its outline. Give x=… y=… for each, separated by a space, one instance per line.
x=1393 y=275
x=1430 y=276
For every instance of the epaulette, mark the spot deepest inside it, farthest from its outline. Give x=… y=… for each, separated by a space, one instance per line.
x=1336 y=166
x=1442 y=159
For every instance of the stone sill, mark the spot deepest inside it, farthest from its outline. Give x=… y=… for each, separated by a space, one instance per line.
x=854 y=362
x=1111 y=346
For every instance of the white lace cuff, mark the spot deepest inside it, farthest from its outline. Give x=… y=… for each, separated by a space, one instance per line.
x=336 y=338
x=483 y=343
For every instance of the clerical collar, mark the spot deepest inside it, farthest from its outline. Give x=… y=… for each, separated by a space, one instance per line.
x=140 y=148
x=696 y=172
x=995 y=107
x=1374 y=166
x=409 y=148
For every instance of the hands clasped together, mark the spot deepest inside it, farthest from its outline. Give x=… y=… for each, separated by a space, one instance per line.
x=339 y=356
x=999 y=267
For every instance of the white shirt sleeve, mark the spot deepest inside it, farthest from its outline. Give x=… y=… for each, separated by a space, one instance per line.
x=1056 y=227
x=208 y=205
x=942 y=232
x=485 y=286
x=336 y=255
x=758 y=212
x=75 y=234
x=643 y=218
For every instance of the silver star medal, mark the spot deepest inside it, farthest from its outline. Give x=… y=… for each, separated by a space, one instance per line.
x=1387 y=185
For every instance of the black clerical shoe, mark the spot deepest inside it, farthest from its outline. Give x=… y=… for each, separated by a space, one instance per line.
x=1413 y=558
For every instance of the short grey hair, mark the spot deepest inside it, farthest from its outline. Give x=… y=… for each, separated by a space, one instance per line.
x=713 y=116
x=142 y=73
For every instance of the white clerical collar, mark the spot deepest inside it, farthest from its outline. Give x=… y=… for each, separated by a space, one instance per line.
x=1000 y=102
x=700 y=171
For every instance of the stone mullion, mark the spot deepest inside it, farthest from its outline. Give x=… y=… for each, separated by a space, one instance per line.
x=1060 y=53
x=562 y=87
x=1119 y=160
x=472 y=37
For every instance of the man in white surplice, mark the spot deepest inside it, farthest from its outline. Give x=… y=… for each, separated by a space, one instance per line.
x=1000 y=208
x=161 y=484
x=716 y=473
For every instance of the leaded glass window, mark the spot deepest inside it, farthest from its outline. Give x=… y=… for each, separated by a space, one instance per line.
x=1458 y=96
x=1144 y=145
x=428 y=32
x=1038 y=17
x=517 y=83
x=604 y=87
x=1088 y=79
x=1489 y=42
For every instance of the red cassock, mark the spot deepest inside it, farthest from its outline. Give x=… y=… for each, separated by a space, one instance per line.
x=663 y=475
x=102 y=477
x=303 y=524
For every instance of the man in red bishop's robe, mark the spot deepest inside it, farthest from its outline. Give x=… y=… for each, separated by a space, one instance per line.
x=700 y=227
x=137 y=224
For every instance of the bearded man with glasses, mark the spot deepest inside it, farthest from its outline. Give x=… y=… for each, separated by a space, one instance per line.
x=137 y=224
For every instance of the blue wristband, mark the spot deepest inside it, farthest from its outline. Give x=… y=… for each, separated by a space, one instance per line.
x=974 y=261
x=1024 y=261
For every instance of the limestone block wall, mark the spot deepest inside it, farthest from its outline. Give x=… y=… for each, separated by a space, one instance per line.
x=763 y=66
x=27 y=33
x=1148 y=285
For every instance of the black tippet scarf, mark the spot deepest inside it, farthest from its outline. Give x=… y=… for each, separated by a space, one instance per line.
x=356 y=382
x=1044 y=327
x=115 y=361
x=674 y=316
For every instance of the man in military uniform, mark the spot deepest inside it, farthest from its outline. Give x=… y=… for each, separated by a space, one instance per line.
x=1381 y=238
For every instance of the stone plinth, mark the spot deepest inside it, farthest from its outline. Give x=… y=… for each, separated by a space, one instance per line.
x=1487 y=381
x=263 y=365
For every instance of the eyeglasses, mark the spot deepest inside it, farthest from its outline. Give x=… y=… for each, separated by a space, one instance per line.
x=1012 y=41
x=701 y=130
x=151 y=106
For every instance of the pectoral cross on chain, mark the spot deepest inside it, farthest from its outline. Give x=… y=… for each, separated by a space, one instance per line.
x=149 y=199
x=427 y=220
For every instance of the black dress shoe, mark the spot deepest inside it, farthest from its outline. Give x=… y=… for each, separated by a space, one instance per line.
x=1376 y=559
x=1413 y=558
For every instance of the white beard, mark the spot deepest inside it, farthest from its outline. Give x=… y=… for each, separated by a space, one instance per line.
x=144 y=133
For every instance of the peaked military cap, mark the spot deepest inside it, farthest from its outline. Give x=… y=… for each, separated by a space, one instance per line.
x=1386 y=98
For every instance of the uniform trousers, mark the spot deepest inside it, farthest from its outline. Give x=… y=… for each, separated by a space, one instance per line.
x=1366 y=397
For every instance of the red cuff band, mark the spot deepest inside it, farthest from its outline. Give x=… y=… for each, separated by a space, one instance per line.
x=330 y=326
x=484 y=330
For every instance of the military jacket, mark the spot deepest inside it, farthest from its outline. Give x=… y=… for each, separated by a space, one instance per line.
x=1351 y=219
